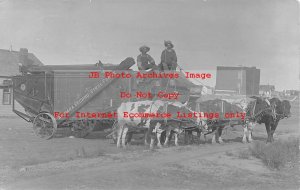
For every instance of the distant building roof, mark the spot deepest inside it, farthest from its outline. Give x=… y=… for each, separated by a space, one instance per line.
x=9 y=61
x=234 y=68
x=266 y=87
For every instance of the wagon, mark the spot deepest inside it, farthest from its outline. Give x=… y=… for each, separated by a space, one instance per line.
x=76 y=96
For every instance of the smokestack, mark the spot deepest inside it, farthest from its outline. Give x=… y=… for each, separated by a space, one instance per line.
x=23 y=56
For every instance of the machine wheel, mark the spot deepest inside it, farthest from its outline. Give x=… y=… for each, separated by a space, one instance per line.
x=82 y=128
x=44 y=125
x=114 y=135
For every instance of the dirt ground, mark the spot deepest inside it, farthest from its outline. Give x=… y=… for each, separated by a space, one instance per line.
x=27 y=162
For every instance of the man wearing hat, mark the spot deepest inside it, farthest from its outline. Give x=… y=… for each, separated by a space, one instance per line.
x=144 y=60
x=168 y=57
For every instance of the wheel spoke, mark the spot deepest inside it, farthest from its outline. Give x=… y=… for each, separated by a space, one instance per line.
x=44 y=125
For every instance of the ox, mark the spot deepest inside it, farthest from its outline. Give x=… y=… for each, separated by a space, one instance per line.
x=269 y=113
x=126 y=123
x=216 y=125
x=165 y=121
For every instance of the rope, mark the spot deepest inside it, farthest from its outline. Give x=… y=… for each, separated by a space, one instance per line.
x=181 y=69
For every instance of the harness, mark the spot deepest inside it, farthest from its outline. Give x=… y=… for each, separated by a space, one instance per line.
x=257 y=116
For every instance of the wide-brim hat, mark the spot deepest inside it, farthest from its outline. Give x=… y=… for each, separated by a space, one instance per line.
x=144 y=48
x=168 y=42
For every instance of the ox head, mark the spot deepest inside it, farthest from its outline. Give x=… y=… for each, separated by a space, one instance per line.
x=286 y=108
x=283 y=108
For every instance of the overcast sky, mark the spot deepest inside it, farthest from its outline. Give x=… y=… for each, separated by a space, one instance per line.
x=261 y=33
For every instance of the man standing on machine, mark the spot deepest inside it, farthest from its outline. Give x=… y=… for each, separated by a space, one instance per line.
x=168 y=57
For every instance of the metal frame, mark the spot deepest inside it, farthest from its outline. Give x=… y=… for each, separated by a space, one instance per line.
x=25 y=116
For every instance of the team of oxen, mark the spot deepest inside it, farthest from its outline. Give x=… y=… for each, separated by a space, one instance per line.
x=159 y=129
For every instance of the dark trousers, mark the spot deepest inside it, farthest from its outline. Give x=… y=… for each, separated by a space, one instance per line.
x=167 y=66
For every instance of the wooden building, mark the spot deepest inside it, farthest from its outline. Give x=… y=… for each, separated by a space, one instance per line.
x=237 y=80
x=10 y=62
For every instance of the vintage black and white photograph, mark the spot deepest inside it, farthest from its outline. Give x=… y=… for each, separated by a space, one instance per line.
x=149 y=94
